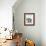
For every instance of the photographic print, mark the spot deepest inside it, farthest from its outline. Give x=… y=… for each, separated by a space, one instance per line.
x=29 y=19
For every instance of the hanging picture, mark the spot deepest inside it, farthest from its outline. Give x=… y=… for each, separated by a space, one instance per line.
x=29 y=19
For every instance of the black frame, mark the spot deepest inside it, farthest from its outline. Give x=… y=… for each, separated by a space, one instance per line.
x=33 y=19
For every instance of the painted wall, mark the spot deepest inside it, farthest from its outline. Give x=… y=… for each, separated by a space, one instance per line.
x=43 y=22
x=6 y=13
x=6 y=16
x=29 y=32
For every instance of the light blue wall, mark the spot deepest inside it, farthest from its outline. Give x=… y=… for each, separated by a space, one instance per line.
x=29 y=32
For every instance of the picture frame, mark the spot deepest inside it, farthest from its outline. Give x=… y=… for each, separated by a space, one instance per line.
x=29 y=19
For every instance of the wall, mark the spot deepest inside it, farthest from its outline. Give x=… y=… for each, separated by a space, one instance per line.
x=43 y=22
x=6 y=13
x=29 y=32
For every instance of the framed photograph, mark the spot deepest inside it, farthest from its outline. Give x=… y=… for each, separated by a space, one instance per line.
x=29 y=19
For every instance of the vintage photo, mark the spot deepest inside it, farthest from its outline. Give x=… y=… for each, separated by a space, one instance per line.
x=29 y=19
